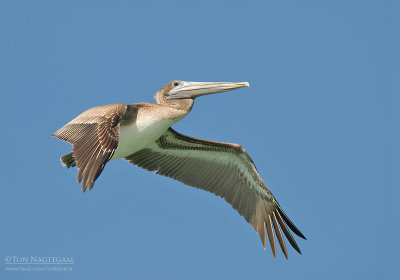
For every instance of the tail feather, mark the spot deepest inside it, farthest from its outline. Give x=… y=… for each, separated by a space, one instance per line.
x=68 y=160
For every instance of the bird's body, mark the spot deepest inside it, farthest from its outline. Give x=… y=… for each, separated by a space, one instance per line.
x=141 y=134
x=147 y=122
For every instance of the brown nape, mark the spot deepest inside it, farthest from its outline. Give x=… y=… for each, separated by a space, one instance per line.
x=179 y=104
x=163 y=92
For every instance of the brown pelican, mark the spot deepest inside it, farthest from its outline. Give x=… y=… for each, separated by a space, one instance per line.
x=141 y=134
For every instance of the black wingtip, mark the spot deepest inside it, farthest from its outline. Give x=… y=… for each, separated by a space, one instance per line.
x=287 y=232
x=290 y=224
x=297 y=249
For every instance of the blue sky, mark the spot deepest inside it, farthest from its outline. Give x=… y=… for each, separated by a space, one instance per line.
x=318 y=120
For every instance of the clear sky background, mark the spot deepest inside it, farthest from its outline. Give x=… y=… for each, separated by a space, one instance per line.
x=320 y=121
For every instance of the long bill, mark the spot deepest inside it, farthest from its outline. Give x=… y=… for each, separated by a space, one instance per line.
x=195 y=89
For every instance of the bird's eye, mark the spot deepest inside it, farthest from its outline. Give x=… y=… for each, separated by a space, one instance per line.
x=176 y=84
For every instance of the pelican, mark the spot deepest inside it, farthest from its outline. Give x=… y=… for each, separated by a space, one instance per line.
x=141 y=134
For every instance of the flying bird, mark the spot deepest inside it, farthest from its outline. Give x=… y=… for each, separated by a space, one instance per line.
x=141 y=133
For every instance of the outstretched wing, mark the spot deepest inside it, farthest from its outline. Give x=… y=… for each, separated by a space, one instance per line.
x=94 y=136
x=225 y=170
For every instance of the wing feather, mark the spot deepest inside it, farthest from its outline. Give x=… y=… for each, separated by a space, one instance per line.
x=279 y=235
x=94 y=136
x=271 y=235
x=225 y=170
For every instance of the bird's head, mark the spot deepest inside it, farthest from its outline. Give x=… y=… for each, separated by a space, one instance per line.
x=191 y=90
